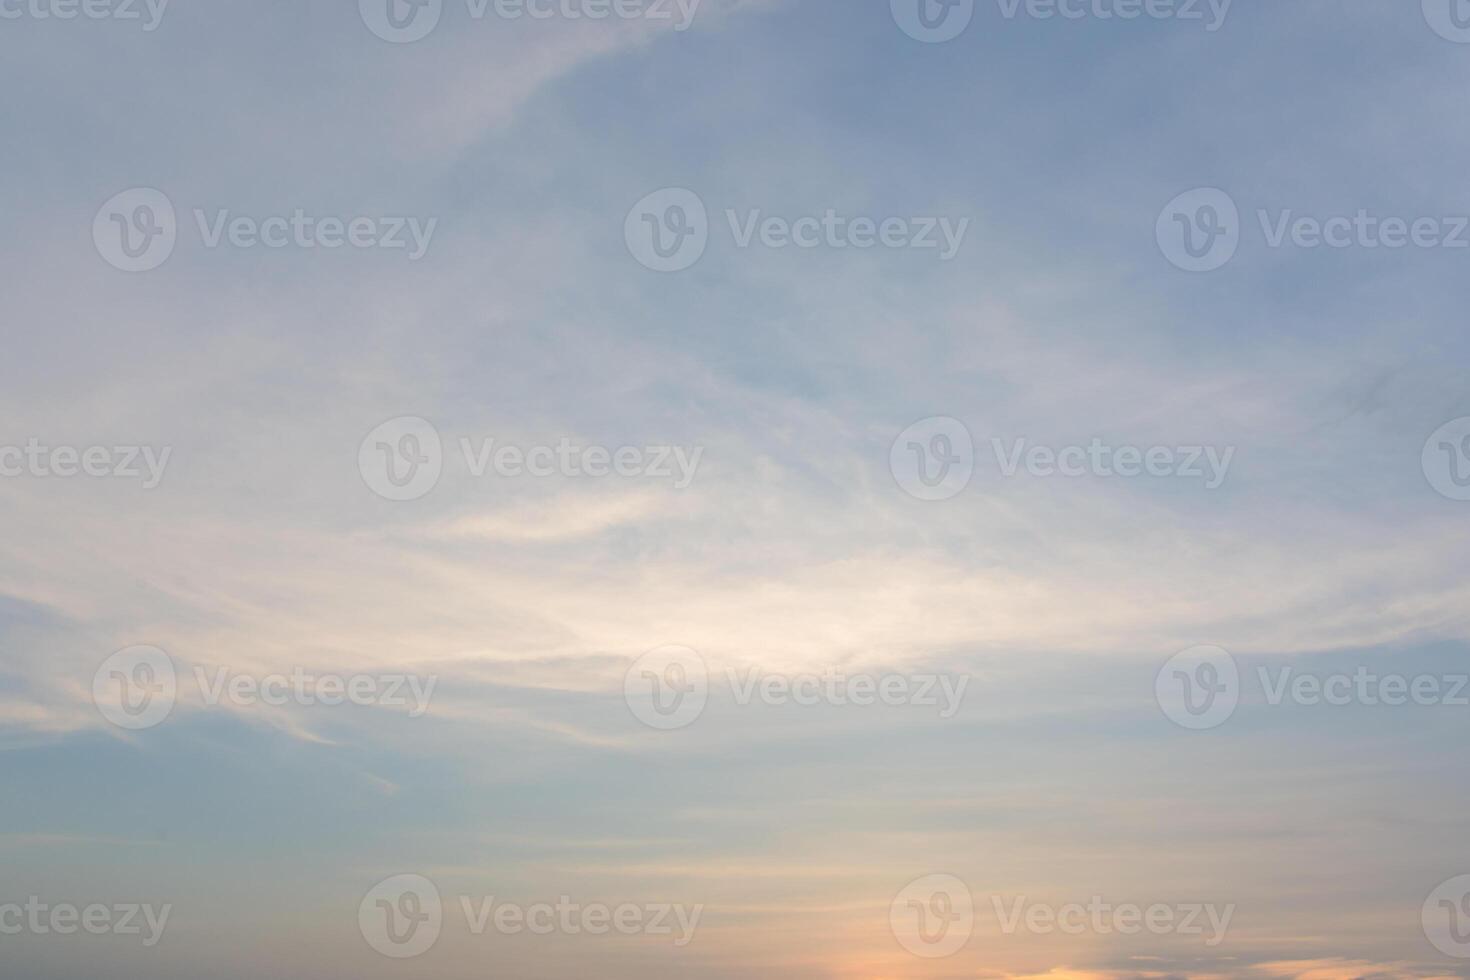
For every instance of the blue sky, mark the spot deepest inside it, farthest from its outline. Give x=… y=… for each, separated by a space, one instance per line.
x=1060 y=320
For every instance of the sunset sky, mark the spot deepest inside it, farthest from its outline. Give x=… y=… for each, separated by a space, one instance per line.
x=771 y=394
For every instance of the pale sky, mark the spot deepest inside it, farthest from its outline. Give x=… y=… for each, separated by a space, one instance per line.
x=1307 y=400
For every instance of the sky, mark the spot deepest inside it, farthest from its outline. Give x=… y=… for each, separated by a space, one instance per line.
x=858 y=489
